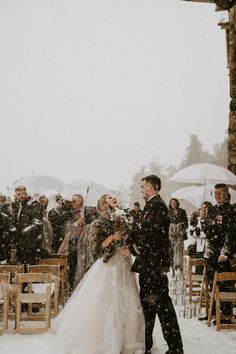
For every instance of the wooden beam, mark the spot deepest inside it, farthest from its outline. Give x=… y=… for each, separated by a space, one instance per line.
x=206 y=1
x=221 y=5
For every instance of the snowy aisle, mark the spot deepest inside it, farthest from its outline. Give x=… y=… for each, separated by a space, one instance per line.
x=197 y=338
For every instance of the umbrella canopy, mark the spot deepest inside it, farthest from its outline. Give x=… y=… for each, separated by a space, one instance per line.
x=89 y=190
x=198 y=194
x=204 y=173
x=38 y=184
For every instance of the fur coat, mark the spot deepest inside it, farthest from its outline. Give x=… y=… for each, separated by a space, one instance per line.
x=105 y=225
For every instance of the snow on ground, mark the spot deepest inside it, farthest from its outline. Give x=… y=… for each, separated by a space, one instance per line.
x=197 y=338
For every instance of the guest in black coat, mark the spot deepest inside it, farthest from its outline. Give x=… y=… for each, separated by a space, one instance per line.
x=4 y=237
x=136 y=213
x=26 y=227
x=220 y=229
x=150 y=244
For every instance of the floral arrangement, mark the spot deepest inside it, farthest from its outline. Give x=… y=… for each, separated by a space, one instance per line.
x=120 y=220
x=124 y=217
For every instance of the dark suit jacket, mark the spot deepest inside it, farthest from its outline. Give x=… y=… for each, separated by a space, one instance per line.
x=150 y=243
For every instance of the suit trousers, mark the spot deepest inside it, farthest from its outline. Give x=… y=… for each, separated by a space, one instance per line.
x=155 y=299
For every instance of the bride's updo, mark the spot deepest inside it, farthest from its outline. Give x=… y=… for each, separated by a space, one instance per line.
x=102 y=204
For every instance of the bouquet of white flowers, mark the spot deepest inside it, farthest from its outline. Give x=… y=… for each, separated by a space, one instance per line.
x=124 y=217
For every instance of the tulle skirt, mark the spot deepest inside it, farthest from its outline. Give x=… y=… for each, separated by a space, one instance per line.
x=104 y=315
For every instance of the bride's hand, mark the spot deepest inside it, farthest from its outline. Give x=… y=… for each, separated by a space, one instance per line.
x=117 y=236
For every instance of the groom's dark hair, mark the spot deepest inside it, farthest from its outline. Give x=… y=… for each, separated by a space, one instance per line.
x=154 y=181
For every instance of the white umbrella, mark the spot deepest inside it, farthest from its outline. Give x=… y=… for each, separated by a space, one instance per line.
x=204 y=173
x=89 y=190
x=198 y=194
x=192 y=194
x=38 y=184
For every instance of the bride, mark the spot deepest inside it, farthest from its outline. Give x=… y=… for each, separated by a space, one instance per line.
x=104 y=315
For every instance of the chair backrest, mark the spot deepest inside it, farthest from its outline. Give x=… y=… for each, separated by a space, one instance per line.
x=196 y=262
x=225 y=276
x=12 y=269
x=62 y=262
x=55 y=255
x=33 y=278
x=54 y=260
x=44 y=268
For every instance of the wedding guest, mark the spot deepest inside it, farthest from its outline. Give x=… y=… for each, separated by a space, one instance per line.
x=84 y=249
x=177 y=234
x=136 y=213
x=73 y=231
x=58 y=216
x=198 y=220
x=5 y=247
x=26 y=227
x=220 y=232
x=48 y=234
x=43 y=200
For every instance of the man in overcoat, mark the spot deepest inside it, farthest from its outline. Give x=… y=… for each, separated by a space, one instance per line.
x=220 y=232
x=26 y=227
x=150 y=245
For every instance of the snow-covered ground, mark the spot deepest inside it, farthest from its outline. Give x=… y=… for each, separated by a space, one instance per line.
x=197 y=338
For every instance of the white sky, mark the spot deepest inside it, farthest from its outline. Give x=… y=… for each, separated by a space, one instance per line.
x=97 y=88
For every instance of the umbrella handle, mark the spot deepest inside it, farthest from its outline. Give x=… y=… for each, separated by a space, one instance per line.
x=86 y=196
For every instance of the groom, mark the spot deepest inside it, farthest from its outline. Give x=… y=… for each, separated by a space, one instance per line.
x=150 y=245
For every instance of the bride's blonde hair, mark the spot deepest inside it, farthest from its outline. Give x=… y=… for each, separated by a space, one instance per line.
x=102 y=204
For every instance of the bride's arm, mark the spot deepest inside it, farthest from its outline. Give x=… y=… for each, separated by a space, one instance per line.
x=113 y=237
x=99 y=239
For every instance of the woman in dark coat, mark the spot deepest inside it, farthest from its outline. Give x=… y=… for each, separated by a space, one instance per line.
x=177 y=234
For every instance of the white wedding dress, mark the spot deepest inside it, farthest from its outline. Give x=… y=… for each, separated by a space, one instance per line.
x=104 y=315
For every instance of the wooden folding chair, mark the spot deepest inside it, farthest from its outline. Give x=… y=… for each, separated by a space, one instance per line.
x=204 y=295
x=62 y=262
x=221 y=296
x=4 y=300
x=12 y=270
x=54 y=270
x=27 y=280
x=193 y=281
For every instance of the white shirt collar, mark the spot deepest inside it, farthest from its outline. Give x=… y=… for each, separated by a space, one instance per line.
x=151 y=197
